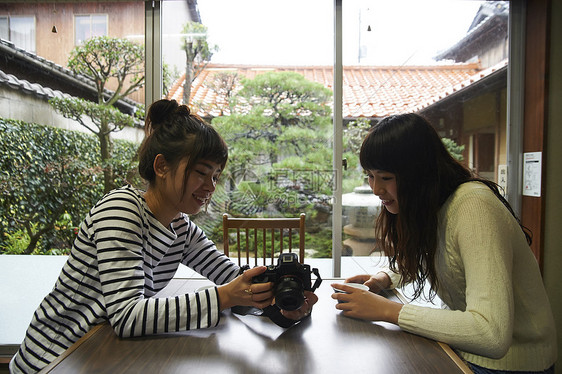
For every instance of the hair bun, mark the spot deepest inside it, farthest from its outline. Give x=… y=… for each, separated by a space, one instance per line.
x=160 y=111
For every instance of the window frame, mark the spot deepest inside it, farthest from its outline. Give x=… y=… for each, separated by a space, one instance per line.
x=516 y=74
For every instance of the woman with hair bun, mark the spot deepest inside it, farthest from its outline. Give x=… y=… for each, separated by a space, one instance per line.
x=442 y=226
x=131 y=243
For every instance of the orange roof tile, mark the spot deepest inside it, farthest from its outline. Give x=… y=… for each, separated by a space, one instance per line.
x=368 y=91
x=461 y=85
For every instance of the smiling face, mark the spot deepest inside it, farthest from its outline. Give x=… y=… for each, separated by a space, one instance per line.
x=180 y=190
x=384 y=186
x=199 y=186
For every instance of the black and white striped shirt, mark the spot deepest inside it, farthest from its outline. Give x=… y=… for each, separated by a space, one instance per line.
x=122 y=257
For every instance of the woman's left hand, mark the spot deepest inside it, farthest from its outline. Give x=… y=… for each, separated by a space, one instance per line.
x=366 y=305
x=304 y=311
x=242 y=291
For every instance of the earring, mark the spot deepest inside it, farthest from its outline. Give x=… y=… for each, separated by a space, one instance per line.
x=207 y=205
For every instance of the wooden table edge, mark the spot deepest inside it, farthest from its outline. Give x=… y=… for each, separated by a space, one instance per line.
x=72 y=348
x=455 y=357
x=448 y=350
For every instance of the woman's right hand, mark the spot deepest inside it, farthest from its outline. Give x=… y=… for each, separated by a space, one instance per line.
x=241 y=291
x=376 y=283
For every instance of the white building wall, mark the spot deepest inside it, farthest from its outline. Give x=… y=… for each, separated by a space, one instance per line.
x=19 y=105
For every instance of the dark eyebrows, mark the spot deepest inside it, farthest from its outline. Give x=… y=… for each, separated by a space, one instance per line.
x=209 y=166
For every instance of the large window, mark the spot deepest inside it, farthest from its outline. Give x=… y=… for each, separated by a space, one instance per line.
x=20 y=30
x=297 y=152
x=267 y=53
x=397 y=56
x=445 y=60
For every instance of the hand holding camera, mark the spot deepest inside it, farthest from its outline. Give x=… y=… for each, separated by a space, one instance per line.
x=242 y=292
x=287 y=285
x=290 y=281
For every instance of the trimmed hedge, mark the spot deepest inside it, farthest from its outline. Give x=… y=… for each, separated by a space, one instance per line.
x=49 y=179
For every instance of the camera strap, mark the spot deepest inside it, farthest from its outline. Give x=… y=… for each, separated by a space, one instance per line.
x=274 y=314
x=318 y=280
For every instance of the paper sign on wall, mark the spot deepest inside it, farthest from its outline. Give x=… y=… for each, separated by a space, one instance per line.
x=532 y=166
x=502 y=179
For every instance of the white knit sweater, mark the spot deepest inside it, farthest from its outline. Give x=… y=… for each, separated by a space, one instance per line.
x=498 y=313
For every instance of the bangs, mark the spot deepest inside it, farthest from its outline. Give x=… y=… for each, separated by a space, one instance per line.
x=377 y=151
x=210 y=146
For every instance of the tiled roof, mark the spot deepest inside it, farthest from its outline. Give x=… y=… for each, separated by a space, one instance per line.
x=30 y=88
x=449 y=91
x=10 y=49
x=492 y=19
x=18 y=55
x=368 y=91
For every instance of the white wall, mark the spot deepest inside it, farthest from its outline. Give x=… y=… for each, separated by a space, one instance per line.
x=16 y=104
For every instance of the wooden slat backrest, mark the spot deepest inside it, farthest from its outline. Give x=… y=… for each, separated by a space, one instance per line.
x=261 y=227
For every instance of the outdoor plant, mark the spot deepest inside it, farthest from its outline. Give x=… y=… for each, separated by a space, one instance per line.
x=278 y=130
x=198 y=54
x=454 y=149
x=279 y=135
x=280 y=121
x=49 y=180
x=110 y=63
x=15 y=242
x=353 y=134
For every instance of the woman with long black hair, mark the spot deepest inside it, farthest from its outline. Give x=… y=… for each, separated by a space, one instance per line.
x=444 y=227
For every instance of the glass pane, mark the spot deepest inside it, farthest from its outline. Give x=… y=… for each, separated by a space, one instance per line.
x=51 y=26
x=83 y=30
x=446 y=60
x=399 y=56
x=88 y=26
x=4 y=28
x=267 y=89
x=22 y=32
x=99 y=25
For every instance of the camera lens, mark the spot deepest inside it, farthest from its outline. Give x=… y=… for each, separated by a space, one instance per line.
x=289 y=293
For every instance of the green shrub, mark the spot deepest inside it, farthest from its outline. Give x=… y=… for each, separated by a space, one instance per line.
x=49 y=179
x=15 y=242
x=454 y=149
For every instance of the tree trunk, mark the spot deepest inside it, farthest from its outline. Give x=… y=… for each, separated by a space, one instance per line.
x=187 y=82
x=34 y=238
x=189 y=57
x=105 y=147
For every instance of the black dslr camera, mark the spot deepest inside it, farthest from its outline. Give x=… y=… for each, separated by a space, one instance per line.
x=290 y=280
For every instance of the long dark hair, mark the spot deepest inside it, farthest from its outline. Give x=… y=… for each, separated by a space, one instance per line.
x=176 y=133
x=426 y=175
